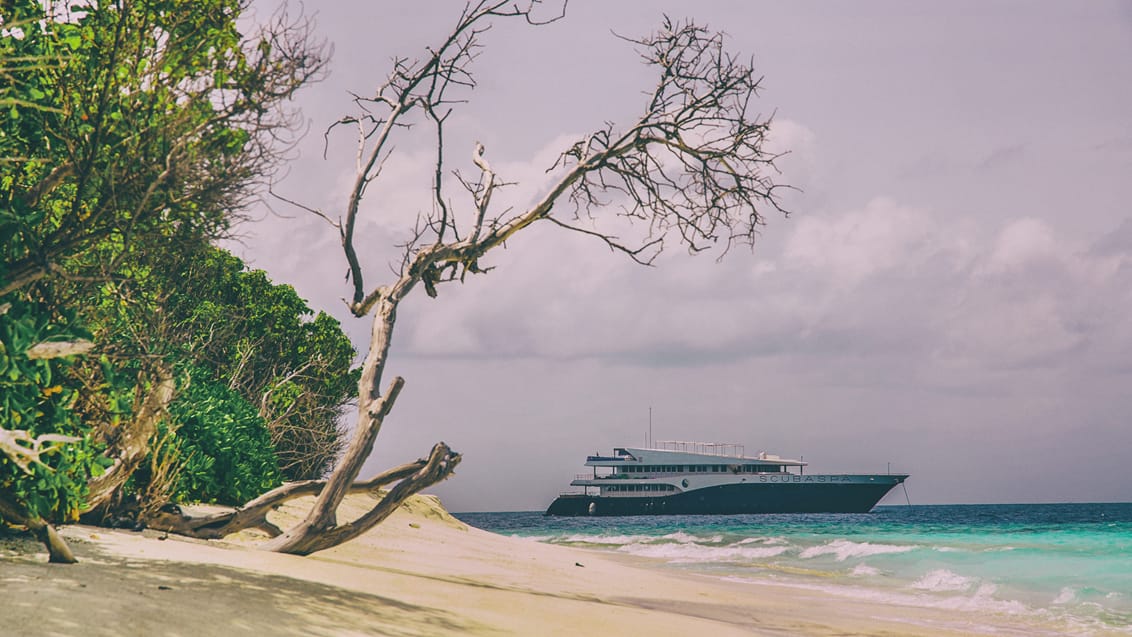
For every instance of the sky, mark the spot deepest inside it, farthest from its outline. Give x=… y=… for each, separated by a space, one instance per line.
x=949 y=296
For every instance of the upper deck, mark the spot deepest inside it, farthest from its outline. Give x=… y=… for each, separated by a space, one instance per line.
x=689 y=454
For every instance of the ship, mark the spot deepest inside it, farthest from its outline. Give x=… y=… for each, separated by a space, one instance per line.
x=674 y=477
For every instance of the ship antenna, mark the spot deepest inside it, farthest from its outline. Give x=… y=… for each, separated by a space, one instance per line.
x=650 y=427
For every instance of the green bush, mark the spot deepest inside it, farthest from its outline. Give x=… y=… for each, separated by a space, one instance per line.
x=224 y=445
x=36 y=396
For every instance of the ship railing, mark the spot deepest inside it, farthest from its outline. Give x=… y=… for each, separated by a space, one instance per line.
x=637 y=476
x=728 y=449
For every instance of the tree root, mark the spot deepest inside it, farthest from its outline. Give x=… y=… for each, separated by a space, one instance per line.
x=57 y=550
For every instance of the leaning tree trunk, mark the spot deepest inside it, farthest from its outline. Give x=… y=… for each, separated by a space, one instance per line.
x=131 y=444
x=320 y=529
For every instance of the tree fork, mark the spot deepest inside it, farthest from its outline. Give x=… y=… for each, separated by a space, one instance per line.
x=440 y=465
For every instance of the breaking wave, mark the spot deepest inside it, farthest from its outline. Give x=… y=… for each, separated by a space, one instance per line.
x=845 y=549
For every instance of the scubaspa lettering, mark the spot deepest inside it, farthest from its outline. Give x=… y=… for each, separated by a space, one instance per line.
x=797 y=478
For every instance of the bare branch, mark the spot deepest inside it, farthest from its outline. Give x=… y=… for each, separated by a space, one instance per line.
x=313 y=211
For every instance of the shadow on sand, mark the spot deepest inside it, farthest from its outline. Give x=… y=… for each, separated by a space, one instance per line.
x=109 y=595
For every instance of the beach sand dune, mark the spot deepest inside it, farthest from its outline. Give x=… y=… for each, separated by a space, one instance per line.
x=422 y=572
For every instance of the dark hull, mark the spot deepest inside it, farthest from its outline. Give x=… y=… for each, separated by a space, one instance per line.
x=735 y=499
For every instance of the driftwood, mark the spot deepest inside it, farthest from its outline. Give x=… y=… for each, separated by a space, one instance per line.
x=298 y=541
x=24 y=449
x=253 y=515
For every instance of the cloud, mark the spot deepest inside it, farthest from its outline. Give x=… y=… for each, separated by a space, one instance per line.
x=1021 y=244
x=860 y=244
x=884 y=287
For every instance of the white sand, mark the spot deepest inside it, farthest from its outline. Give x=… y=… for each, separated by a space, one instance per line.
x=420 y=573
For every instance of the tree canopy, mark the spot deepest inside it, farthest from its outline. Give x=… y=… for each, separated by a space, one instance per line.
x=133 y=133
x=131 y=118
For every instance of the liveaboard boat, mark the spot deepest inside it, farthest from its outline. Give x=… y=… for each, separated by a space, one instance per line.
x=688 y=478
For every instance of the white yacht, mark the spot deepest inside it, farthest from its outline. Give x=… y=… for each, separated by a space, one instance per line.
x=686 y=478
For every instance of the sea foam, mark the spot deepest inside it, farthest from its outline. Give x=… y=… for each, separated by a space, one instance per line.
x=698 y=553
x=942 y=579
x=864 y=570
x=845 y=549
x=1066 y=595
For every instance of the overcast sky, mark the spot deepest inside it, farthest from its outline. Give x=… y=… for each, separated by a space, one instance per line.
x=951 y=295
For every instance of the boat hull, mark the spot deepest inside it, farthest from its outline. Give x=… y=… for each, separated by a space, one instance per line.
x=730 y=499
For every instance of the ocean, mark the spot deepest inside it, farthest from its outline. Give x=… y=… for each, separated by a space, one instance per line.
x=1067 y=567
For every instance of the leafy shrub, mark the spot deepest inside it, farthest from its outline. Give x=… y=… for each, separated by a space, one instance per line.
x=36 y=396
x=224 y=444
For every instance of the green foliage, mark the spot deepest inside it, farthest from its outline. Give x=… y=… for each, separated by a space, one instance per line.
x=132 y=120
x=36 y=397
x=130 y=134
x=201 y=308
x=263 y=340
x=227 y=451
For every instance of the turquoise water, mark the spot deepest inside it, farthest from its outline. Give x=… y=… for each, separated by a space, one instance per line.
x=1064 y=565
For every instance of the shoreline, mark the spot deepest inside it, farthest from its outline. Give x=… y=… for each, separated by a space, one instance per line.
x=422 y=572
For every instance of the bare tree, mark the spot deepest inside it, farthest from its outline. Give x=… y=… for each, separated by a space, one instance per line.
x=692 y=169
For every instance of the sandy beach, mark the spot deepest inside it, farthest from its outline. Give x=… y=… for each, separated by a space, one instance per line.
x=421 y=573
